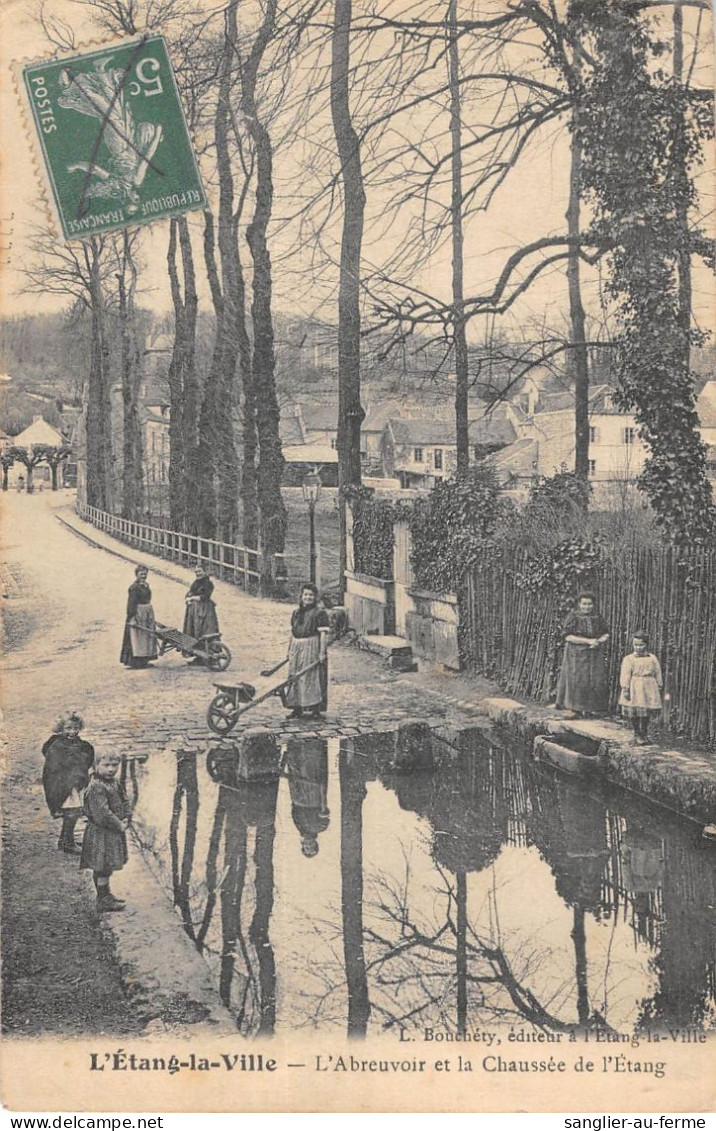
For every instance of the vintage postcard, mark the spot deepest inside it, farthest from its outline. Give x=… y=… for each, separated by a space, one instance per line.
x=358 y=605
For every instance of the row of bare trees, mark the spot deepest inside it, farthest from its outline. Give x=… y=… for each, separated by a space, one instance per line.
x=54 y=455
x=350 y=151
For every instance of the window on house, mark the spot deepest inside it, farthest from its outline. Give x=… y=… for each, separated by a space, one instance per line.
x=593 y=435
x=418 y=455
x=592 y=467
x=334 y=443
x=629 y=435
x=438 y=459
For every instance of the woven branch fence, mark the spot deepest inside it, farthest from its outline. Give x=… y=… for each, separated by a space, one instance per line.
x=512 y=633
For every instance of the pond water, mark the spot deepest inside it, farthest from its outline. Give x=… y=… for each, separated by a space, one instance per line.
x=476 y=890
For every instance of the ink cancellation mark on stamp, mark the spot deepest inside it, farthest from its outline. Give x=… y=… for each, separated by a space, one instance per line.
x=114 y=137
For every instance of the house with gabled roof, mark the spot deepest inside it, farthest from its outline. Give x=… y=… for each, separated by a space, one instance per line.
x=37 y=432
x=420 y=452
x=320 y=424
x=616 y=452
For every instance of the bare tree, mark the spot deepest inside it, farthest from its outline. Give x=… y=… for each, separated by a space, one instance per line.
x=82 y=272
x=456 y=207
x=184 y=391
x=131 y=375
x=7 y=459
x=217 y=469
x=270 y=459
x=54 y=455
x=350 y=410
x=30 y=457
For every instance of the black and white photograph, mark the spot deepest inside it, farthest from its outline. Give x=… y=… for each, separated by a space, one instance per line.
x=358 y=520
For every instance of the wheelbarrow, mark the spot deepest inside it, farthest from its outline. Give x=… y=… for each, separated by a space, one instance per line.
x=210 y=648
x=232 y=700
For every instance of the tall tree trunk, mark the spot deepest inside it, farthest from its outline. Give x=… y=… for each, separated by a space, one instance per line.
x=350 y=410
x=217 y=470
x=458 y=297
x=272 y=512
x=192 y=385
x=177 y=450
x=683 y=256
x=249 y=433
x=131 y=381
x=97 y=407
x=578 y=337
x=184 y=386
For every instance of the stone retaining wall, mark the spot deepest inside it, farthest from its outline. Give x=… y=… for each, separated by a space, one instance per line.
x=683 y=781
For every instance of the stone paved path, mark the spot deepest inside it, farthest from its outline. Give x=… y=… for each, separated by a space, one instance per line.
x=364 y=695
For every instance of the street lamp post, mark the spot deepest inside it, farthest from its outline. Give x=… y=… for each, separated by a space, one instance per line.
x=311 y=493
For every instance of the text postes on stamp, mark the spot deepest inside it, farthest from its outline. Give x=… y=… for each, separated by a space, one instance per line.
x=114 y=137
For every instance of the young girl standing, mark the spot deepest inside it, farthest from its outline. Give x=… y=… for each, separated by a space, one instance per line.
x=641 y=683
x=65 y=776
x=104 y=848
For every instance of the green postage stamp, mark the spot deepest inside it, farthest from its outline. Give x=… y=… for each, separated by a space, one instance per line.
x=114 y=137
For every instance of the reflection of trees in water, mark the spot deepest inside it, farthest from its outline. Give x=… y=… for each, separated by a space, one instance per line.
x=245 y=812
x=415 y=949
x=186 y=801
x=414 y=969
x=685 y=962
x=438 y=970
x=353 y=792
x=460 y=975
x=571 y=836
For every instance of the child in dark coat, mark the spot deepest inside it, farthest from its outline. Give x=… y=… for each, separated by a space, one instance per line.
x=104 y=848
x=65 y=775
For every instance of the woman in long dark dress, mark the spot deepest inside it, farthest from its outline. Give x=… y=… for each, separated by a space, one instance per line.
x=309 y=643
x=65 y=776
x=200 y=617
x=582 y=685
x=139 y=644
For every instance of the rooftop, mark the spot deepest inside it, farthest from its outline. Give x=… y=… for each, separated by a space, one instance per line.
x=310 y=453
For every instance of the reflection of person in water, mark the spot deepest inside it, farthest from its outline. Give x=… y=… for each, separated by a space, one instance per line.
x=307 y=770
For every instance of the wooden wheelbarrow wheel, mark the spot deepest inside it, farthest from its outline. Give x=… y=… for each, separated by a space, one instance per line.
x=219 y=657
x=223 y=713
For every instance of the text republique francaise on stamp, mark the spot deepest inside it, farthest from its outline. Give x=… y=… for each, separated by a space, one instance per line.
x=114 y=137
